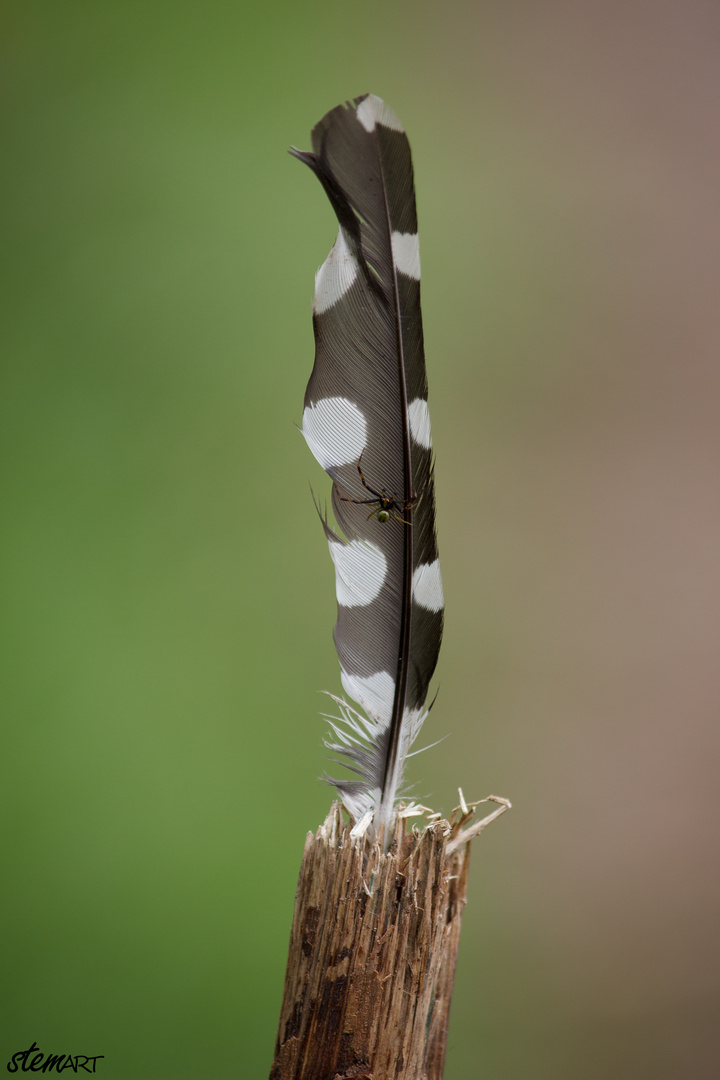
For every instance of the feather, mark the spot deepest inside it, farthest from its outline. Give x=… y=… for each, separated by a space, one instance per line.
x=366 y=421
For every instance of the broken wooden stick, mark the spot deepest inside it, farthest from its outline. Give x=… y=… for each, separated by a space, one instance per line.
x=373 y=950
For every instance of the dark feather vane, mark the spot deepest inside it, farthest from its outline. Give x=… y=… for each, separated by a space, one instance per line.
x=366 y=421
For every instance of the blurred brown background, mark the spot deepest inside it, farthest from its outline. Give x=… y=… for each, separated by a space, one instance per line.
x=168 y=599
x=597 y=537
x=592 y=496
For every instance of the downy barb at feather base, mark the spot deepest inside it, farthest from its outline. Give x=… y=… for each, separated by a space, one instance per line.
x=366 y=421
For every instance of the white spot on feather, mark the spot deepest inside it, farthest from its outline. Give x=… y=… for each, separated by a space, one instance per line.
x=373 y=110
x=427 y=586
x=335 y=430
x=335 y=276
x=419 y=417
x=360 y=572
x=375 y=694
x=406 y=253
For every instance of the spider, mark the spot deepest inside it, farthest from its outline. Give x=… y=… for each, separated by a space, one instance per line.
x=384 y=504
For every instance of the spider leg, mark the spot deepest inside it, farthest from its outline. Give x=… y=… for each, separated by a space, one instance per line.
x=358 y=502
x=408 y=504
x=364 y=481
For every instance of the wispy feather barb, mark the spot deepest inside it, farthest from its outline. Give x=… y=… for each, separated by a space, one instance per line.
x=366 y=421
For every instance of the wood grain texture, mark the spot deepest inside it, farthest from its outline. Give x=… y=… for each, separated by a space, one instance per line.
x=372 y=956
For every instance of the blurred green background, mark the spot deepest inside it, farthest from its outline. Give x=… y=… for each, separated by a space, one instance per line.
x=167 y=594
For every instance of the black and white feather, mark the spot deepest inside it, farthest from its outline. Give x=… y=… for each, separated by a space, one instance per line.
x=366 y=421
